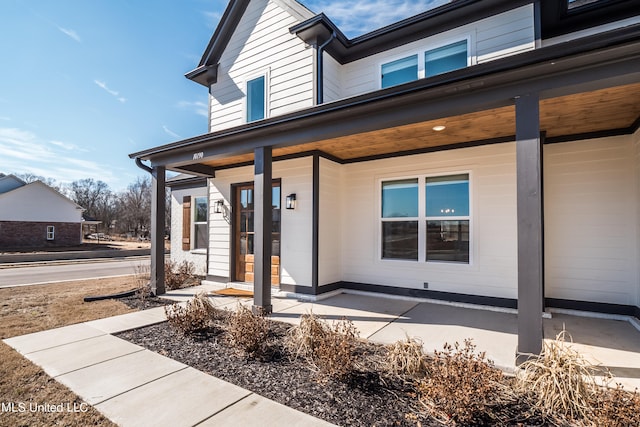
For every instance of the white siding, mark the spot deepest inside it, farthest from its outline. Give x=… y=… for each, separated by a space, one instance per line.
x=636 y=138
x=491 y=38
x=178 y=255
x=262 y=44
x=331 y=217
x=295 y=251
x=37 y=202
x=493 y=269
x=332 y=78
x=590 y=196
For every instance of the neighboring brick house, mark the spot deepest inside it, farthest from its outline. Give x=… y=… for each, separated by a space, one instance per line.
x=35 y=215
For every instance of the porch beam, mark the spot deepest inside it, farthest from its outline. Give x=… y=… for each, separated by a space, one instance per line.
x=263 y=225
x=158 y=206
x=529 y=203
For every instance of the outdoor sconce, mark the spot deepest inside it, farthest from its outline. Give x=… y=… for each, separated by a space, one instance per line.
x=291 y=201
x=217 y=207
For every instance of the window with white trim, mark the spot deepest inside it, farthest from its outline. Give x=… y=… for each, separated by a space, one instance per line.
x=429 y=63
x=256 y=99
x=400 y=71
x=426 y=218
x=446 y=58
x=51 y=232
x=200 y=223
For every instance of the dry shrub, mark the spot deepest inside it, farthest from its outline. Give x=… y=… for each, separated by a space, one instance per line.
x=328 y=348
x=177 y=276
x=197 y=317
x=617 y=408
x=405 y=359
x=249 y=332
x=462 y=386
x=560 y=382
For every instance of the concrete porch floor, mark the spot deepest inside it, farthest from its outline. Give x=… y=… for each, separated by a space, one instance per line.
x=608 y=342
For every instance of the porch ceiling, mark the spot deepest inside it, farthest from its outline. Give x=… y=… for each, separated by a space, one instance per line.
x=609 y=109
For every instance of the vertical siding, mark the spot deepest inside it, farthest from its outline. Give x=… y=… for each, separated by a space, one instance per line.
x=178 y=255
x=331 y=216
x=262 y=44
x=295 y=249
x=590 y=196
x=491 y=38
x=493 y=270
x=636 y=138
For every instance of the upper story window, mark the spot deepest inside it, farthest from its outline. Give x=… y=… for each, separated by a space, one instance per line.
x=256 y=99
x=446 y=58
x=400 y=71
x=572 y=4
x=429 y=63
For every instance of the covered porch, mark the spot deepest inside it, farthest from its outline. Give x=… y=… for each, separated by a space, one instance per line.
x=569 y=92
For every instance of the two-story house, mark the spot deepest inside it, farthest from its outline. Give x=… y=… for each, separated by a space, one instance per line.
x=484 y=152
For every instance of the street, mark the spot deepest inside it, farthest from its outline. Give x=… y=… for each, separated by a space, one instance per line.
x=67 y=271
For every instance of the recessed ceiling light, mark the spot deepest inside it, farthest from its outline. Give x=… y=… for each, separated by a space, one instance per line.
x=439 y=128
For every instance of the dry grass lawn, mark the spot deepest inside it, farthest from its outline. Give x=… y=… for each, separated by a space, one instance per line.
x=36 y=308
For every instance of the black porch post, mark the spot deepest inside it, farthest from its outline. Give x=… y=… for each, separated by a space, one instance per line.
x=157 y=229
x=263 y=225
x=529 y=187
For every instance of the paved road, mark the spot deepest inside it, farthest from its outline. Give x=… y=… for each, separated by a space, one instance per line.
x=62 y=272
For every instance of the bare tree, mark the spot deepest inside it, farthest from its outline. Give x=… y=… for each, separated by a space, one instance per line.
x=30 y=177
x=96 y=198
x=134 y=207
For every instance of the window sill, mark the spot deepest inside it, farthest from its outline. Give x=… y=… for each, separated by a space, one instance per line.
x=198 y=251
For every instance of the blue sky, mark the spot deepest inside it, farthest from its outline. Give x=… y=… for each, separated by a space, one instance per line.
x=83 y=83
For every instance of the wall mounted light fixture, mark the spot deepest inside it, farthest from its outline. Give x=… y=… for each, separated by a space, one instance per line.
x=290 y=202
x=217 y=206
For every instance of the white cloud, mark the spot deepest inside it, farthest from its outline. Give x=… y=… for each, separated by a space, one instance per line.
x=212 y=18
x=112 y=92
x=356 y=17
x=200 y=108
x=23 y=151
x=170 y=132
x=67 y=146
x=71 y=33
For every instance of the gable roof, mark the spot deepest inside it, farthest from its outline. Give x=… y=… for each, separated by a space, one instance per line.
x=10 y=183
x=206 y=72
x=27 y=187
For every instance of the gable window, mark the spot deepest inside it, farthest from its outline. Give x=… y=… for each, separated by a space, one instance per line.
x=51 y=232
x=446 y=58
x=256 y=99
x=400 y=71
x=429 y=225
x=200 y=223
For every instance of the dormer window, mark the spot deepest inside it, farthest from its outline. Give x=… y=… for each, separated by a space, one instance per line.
x=446 y=58
x=256 y=99
x=400 y=71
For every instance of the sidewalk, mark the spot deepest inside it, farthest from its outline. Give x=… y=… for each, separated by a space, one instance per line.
x=133 y=386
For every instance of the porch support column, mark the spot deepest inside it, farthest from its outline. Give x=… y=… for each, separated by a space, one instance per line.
x=263 y=225
x=529 y=201
x=158 y=206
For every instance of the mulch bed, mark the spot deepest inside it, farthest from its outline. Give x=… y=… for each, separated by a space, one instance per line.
x=145 y=303
x=363 y=399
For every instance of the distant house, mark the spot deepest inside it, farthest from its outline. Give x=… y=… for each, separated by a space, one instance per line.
x=481 y=152
x=35 y=215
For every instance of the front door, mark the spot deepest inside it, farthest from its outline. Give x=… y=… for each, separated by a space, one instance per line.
x=244 y=233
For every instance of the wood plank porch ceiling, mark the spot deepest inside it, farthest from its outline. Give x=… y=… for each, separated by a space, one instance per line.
x=601 y=110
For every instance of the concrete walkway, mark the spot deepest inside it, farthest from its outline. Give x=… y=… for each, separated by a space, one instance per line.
x=132 y=385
